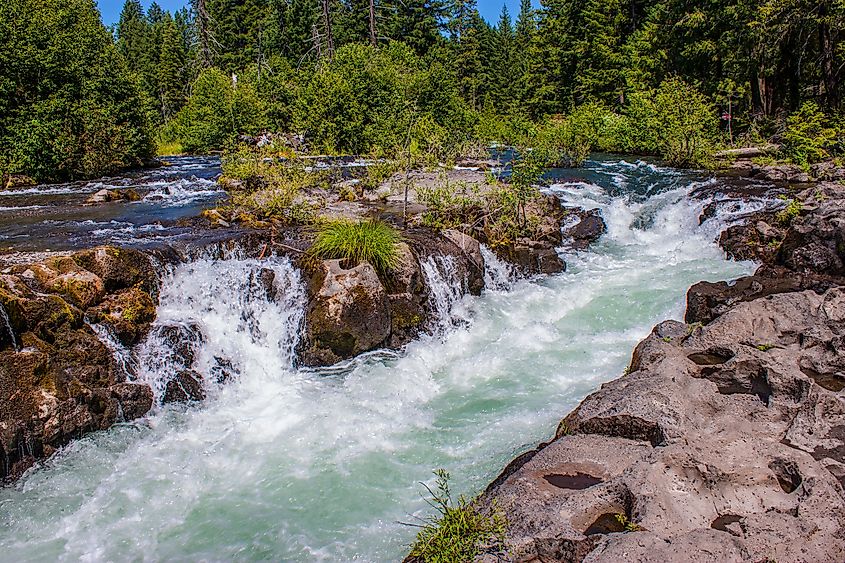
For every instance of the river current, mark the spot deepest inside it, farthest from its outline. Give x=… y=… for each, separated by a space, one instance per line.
x=282 y=463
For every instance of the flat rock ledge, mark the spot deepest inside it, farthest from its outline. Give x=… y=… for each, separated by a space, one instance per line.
x=725 y=439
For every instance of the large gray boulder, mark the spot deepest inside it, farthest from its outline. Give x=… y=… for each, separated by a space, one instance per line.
x=348 y=312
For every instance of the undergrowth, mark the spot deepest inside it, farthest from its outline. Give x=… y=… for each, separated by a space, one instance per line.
x=459 y=533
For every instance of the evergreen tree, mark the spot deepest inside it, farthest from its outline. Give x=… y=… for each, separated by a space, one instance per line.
x=171 y=70
x=71 y=108
x=416 y=23
x=503 y=64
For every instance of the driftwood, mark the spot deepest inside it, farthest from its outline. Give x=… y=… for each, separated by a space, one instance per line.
x=748 y=152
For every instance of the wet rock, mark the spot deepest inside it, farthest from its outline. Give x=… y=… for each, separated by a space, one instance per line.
x=119 y=268
x=180 y=343
x=532 y=257
x=135 y=399
x=186 y=386
x=348 y=312
x=716 y=443
x=128 y=314
x=468 y=246
x=590 y=226
x=215 y=218
x=105 y=196
x=407 y=297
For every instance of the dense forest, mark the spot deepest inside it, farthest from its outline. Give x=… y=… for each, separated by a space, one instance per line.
x=666 y=77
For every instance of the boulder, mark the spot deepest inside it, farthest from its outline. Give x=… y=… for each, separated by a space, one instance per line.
x=719 y=442
x=348 y=312
x=135 y=399
x=106 y=195
x=186 y=386
x=119 y=268
x=590 y=226
x=532 y=257
x=128 y=314
x=468 y=246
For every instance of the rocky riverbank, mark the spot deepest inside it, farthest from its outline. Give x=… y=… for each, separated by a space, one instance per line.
x=725 y=439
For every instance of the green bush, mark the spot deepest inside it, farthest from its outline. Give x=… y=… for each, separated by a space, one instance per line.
x=459 y=532
x=69 y=107
x=371 y=241
x=381 y=101
x=675 y=122
x=789 y=213
x=809 y=136
x=452 y=205
x=270 y=187
x=217 y=111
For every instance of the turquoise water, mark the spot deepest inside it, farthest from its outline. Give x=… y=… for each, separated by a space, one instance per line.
x=288 y=464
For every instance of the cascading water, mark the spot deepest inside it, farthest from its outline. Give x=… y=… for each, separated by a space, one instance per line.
x=446 y=293
x=225 y=317
x=283 y=463
x=498 y=274
x=7 y=326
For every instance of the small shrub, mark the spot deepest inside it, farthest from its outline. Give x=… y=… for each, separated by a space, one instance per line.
x=460 y=532
x=371 y=241
x=808 y=137
x=765 y=347
x=451 y=205
x=788 y=214
x=271 y=187
x=628 y=525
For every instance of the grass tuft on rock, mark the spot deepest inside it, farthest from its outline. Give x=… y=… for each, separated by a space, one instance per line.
x=371 y=241
x=459 y=533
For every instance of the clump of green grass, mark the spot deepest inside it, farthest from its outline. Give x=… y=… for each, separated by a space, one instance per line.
x=371 y=241
x=765 y=347
x=168 y=148
x=459 y=533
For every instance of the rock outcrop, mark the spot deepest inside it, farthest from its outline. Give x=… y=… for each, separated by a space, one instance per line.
x=58 y=380
x=725 y=439
x=352 y=308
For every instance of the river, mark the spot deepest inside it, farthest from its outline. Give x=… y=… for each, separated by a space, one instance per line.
x=281 y=463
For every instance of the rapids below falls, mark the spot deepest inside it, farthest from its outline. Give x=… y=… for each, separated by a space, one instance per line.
x=286 y=463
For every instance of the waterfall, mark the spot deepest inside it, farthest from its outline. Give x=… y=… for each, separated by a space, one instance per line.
x=7 y=324
x=498 y=274
x=223 y=318
x=446 y=293
x=121 y=354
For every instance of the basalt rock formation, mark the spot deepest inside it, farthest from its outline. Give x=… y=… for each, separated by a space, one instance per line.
x=354 y=309
x=725 y=439
x=58 y=380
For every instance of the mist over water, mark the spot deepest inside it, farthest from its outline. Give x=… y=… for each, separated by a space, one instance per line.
x=282 y=463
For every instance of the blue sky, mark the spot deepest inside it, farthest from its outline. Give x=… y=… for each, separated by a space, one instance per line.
x=110 y=9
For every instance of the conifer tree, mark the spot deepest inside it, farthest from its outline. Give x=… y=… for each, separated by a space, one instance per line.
x=171 y=70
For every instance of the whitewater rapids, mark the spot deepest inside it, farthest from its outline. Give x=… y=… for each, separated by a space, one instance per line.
x=282 y=463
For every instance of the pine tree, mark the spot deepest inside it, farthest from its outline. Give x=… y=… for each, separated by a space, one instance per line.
x=171 y=70
x=415 y=22
x=502 y=64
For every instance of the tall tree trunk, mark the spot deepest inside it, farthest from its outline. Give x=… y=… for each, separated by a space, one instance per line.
x=828 y=48
x=373 y=38
x=205 y=54
x=327 y=17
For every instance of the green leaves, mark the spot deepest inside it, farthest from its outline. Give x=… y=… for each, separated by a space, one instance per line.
x=76 y=110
